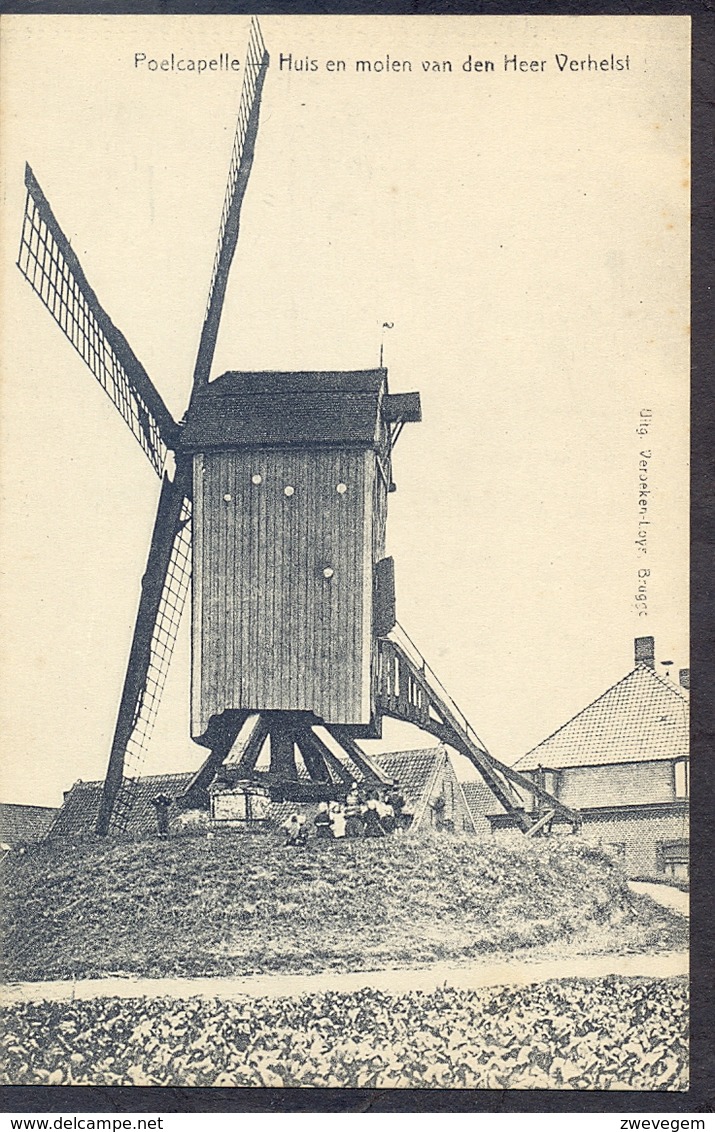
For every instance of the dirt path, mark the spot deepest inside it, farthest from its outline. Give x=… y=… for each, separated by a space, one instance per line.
x=664 y=894
x=477 y=975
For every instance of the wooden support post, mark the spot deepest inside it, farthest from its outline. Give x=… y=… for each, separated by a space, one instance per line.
x=390 y=670
x=220 y=750
x=541 y=823
x=252 y=750
x=316 y=756
x=402 y=692
x=283 y=752
x=331 y=760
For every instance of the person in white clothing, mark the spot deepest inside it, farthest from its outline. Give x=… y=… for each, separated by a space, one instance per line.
x=337 y=820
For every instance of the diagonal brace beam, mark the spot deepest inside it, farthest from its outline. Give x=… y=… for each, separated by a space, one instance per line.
x=367 y=765
x=220 y=750
x=253 y=746
x=318 y=758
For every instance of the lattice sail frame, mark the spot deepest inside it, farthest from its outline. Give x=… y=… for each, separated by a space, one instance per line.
x=163 y=639
x=53 y=271
x=244 y=143
x=255 y=57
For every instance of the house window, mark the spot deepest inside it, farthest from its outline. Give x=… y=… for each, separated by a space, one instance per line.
x=548 y=780
x=672 y=859
x=682 y=778
x=551 y=781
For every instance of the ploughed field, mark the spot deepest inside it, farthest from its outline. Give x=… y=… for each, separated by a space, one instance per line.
x=611 y=1033
x=238 y=904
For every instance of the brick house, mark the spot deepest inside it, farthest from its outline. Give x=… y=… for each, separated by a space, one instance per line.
x=78 y=814
x=430 y=788
x=623 y=762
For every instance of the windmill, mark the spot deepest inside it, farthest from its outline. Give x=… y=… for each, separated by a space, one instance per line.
x=274 y=492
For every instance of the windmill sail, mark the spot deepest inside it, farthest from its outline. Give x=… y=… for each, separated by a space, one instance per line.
x=54 y=273
x=244 y=143
x=164 y=589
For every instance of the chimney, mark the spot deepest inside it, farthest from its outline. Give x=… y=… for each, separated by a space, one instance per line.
x=684 y=677
x=645 y=651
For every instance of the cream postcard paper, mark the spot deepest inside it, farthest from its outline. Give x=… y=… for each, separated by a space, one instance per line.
x=491 y=213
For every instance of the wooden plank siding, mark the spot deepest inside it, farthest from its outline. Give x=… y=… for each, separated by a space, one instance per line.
x=270 y=632
x=378 y=512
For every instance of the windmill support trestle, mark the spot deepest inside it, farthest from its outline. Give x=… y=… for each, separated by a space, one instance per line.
x=304 y=765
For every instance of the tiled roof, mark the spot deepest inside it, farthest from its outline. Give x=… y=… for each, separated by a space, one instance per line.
x=481 y=804
x=414 y=772
x=480 y=799
x=642 y=718
x=24 y=823
x=81 y=807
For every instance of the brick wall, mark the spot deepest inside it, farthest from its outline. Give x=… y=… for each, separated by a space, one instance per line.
x=639 y=835
x=635 y=836
x=619 y=784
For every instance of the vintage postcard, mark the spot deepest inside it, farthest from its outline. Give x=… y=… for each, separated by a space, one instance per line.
x=345 y=514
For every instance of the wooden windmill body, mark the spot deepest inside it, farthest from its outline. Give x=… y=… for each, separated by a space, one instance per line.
x=278 y=492
x=291 y=473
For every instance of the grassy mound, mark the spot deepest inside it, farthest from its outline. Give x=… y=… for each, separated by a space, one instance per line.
x=576 y=1034
x=243 y=903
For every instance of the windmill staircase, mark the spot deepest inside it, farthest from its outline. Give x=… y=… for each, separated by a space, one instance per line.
x=409 y=690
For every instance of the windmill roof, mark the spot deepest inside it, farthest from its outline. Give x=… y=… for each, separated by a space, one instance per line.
x=255 y=382
x=279 y=408
x=24 y=823
x=641 y=718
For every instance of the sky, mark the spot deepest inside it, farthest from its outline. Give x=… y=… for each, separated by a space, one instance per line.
x=525 y=230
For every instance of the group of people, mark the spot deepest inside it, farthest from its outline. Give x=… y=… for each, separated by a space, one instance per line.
x=376 y=813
